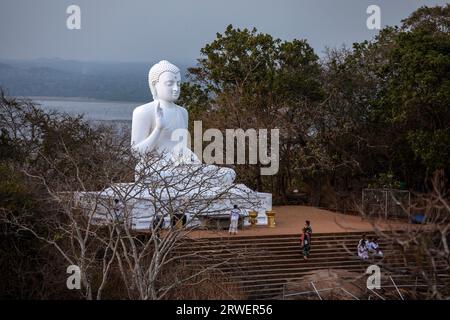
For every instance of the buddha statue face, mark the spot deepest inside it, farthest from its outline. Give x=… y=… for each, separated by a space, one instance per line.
x=164 y=79
x=168 y=86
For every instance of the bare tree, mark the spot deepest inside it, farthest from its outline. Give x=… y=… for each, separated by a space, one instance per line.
x=89 y=230
x=422 y=249
x=167 y=194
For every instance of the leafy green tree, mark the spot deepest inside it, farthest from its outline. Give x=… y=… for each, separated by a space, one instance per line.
x=247 y=79
x=415 y=98
x=388 y=102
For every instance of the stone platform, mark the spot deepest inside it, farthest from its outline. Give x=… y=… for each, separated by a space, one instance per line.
x=199 y=204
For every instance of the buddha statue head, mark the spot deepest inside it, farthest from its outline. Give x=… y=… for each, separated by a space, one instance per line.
x=164 y=80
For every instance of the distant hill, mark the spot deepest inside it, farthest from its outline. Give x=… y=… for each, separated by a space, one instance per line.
x=68 y=78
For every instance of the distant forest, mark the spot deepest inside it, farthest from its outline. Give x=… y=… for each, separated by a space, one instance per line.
x=68 y=78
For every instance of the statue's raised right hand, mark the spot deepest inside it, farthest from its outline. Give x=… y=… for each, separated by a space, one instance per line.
x=161 y=121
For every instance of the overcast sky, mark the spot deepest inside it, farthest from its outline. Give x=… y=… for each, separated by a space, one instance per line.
x=149 y=30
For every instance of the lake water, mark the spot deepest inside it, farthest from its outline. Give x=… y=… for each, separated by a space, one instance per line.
x=93 y=110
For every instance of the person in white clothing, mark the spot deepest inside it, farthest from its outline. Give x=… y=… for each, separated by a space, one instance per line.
x=374 y=248
x=234 y=219
x=363 y=251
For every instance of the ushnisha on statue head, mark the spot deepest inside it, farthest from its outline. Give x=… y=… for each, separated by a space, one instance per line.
x=164 y=80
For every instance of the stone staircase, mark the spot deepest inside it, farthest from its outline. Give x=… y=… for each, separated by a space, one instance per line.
x=263 y=265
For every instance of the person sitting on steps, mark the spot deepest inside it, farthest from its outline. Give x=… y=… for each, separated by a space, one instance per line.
x=363 y=251
x=374 y=248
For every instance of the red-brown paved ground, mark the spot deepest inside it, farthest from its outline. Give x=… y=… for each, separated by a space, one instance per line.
x=291 y=219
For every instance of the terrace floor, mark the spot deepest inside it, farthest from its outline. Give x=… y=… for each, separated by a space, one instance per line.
x=291 y=219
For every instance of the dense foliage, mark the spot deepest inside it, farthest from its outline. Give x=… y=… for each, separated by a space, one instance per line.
x=379 y=109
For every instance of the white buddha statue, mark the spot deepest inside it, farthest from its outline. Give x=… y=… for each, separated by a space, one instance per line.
x=155 y=125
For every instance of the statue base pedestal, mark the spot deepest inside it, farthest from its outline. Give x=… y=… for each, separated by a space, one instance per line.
x=201 y=205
